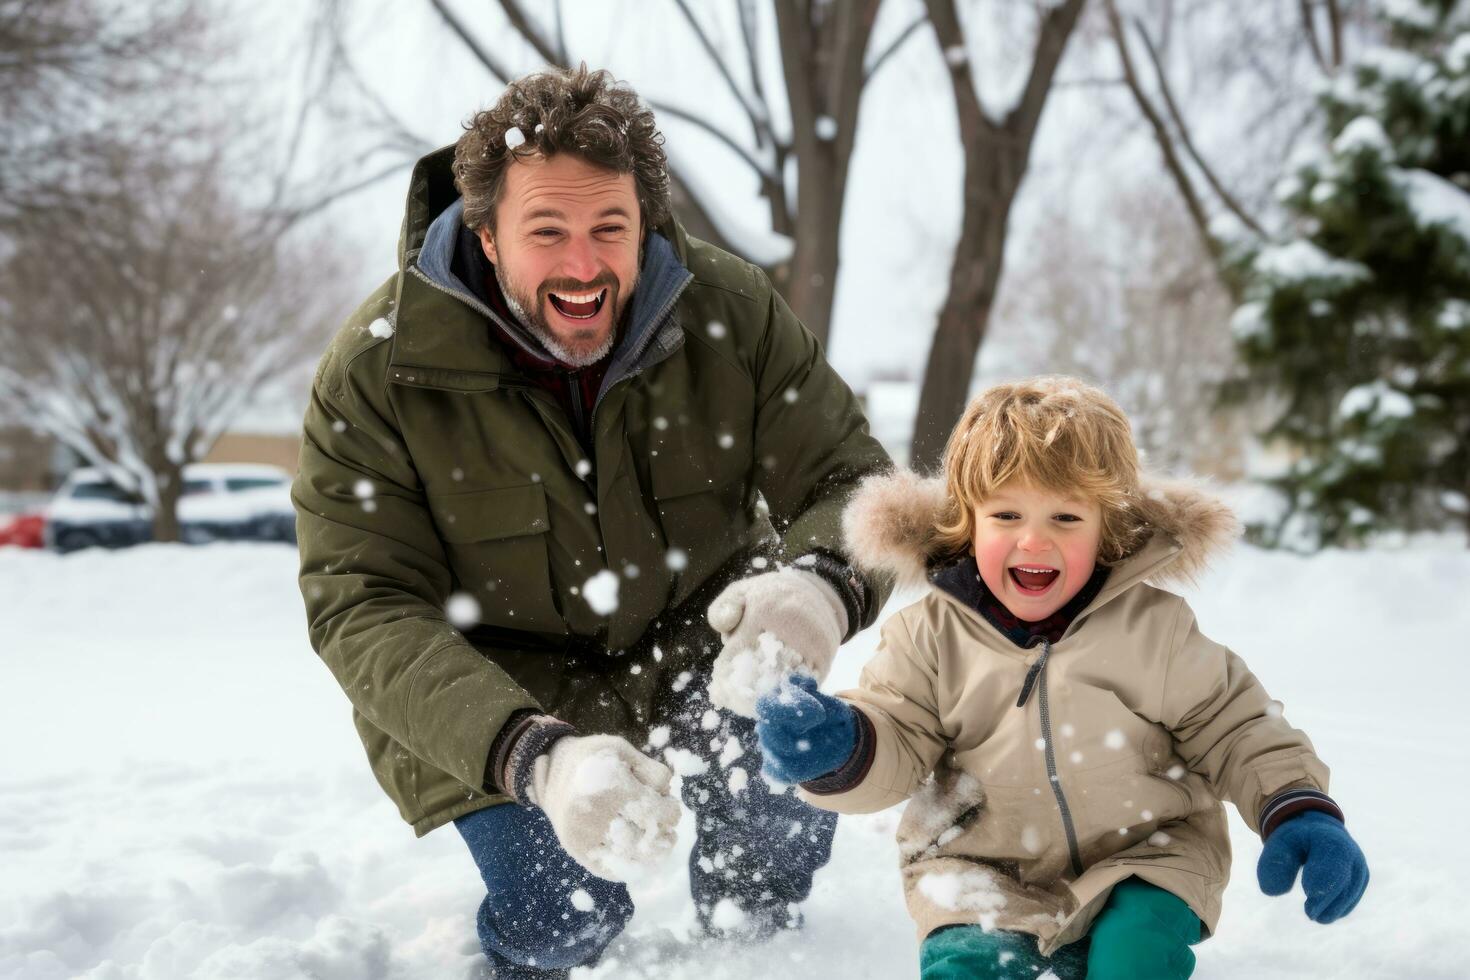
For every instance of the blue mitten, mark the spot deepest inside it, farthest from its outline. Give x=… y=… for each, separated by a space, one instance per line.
x=1334 y=871
x=803 y=732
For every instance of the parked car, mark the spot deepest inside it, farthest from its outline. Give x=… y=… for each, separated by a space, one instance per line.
x=220 y=502
x=24 y=531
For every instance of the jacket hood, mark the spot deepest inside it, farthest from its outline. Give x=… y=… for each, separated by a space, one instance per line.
x=889 y=526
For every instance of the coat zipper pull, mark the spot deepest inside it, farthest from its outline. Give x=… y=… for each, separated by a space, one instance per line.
x=1033 y=673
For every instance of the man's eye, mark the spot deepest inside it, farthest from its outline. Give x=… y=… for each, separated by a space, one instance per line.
x=611 y=230
x=545 y=233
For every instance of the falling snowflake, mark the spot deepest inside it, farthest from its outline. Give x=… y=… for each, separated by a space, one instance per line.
x=463 y=610
x=364 y=489
x=1114 y=739
x=716 y=329
x=677 y=559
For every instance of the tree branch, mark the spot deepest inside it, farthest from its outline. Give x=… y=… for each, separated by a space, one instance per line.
x=758 y=124
x=501 y=73
x=893 y=46
x=1184 y=137
x=523 y=25
x=1309 y=28
x=1161 y=134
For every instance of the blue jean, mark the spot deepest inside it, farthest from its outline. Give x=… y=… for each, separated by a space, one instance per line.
x=752 y=847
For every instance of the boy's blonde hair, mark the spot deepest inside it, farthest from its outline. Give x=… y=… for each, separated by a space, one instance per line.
x=1055 y=433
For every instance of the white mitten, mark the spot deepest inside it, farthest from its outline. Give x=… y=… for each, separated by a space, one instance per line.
x=608 y=803
x=773 y=625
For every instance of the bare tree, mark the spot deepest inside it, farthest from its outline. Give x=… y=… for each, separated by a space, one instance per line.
x=996 y=154
x=140 y=318
x=62 y=64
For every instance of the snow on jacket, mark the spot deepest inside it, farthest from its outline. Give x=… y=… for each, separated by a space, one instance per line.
x=431 y=465
x=1134 y=729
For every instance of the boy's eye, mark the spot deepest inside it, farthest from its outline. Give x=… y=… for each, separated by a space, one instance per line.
x=1006 y=515
x=1068 y=517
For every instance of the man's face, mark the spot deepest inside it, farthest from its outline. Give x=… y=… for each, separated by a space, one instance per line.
x=565 y=250
x=1036 y=548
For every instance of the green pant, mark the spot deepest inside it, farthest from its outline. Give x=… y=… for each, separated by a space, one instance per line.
x=1142 y=933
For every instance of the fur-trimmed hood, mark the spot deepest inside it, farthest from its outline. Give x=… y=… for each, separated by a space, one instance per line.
x=889 y=526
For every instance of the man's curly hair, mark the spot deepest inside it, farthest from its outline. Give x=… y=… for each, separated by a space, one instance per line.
x=562 y=110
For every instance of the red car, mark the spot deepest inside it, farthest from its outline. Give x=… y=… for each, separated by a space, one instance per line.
x=24 y=531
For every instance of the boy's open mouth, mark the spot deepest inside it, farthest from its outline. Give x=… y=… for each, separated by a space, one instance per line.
x=579 y=306
x=1033 y=578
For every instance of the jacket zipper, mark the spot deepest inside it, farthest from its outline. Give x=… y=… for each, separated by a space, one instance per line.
x=1036 y=677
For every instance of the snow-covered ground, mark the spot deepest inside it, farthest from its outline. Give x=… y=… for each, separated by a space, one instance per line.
x=182 y=794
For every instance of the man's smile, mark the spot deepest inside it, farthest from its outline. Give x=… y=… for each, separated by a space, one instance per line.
x=578 y=306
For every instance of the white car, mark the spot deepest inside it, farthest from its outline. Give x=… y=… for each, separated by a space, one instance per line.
x=221 y=501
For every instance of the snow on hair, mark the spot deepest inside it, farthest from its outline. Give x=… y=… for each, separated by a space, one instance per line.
x=1056 y=433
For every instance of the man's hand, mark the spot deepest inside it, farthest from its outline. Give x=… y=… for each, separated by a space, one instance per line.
x=772 y=625
x=803 y=732
x=608 y=803
x=1334 y=871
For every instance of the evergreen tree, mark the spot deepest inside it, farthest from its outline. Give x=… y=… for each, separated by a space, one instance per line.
x=1356 y=327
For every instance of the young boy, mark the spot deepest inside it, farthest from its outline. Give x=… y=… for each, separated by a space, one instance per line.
x=1064 y=729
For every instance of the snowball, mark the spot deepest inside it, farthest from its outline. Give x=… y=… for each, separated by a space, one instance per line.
x=463 y=610
x=739 y=779
x=380 y=328
x=1114 y=739
x=742 y=677
x=974 y=891
x=581 y=901
x=684 y=762
x=731 y=751
x=726 y=915
x=514 y=138
x=601 y=593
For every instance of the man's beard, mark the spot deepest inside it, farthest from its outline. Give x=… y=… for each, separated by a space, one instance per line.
x=528 y=313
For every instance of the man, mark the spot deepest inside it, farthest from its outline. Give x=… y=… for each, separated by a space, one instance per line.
x=533 y=459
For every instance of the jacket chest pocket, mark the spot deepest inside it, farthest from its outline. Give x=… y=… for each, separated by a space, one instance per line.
x=700 y=493
x=496 y=542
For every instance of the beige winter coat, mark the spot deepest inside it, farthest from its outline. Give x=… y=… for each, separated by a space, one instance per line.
x=1146 y=722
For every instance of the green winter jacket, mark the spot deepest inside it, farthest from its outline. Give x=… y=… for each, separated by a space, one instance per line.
x=431 y=468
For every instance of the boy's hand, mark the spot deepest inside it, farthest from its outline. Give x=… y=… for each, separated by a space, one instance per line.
x=608 y=803
x=1334 y=871
x=803 y=732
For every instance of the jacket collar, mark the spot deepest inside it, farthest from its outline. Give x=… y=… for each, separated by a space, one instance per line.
x=890 y=528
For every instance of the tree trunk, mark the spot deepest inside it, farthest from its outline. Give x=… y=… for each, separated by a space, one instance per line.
x=990 y=185
x=996 y=154
x=812 y=278
x=170 y=488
